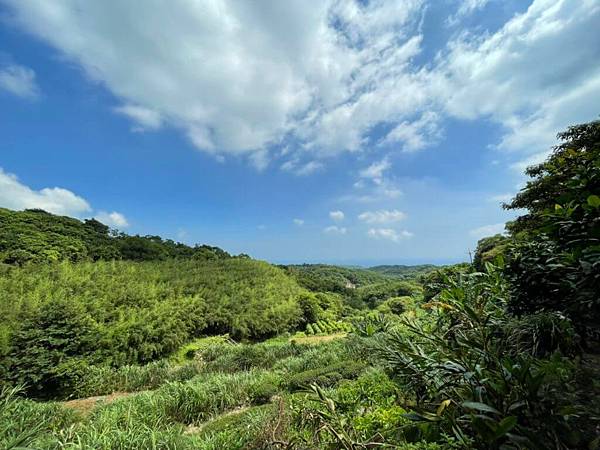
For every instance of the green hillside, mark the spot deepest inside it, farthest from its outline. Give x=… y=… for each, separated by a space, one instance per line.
x=402 y=271
x=34 y=236
x=328 y=278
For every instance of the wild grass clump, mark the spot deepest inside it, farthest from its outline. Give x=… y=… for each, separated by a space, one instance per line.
x=189 y=351
x=325 y=376
x=312 y=357
x=102 y=380
x=237 y=357
x=141 y=436
x=254 y=428
x=190 y=402
x=26 y=423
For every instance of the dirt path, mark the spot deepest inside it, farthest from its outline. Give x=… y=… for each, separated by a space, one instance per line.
x=86 y=405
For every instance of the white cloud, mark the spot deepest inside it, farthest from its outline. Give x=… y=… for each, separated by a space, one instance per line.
x=373 y=186
x=335 y=230
x=532 y=160
x=487 y=230
x=382 y=216
x=533 y=76
x=19 y=81
x=15 y=195
x=146 y=118
x=301 y=169
x=389 y=234
x=336 y=215
x=238 y=77
x=416 y=135
x=299 y=222
x=112 y=219
x=466 y=8
x=241 y=78
x=375 y=171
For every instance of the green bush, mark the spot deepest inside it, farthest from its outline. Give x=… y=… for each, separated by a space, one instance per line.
x=470 y=377
x=233 y=358
x=325 y=376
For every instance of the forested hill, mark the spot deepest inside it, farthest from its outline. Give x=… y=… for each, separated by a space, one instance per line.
x=37 y=236
x=324 y=277
x=330 y=278
x=404 y=271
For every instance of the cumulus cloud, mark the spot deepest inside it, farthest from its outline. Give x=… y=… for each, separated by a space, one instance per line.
x=337 y=215
x=373 y=185
x=487 y=230
x=533 y=76
x=299 y=222
x=389 y=234
x=416 y=135
x=16 y=195
x=241 y=78
x=237 y=77
x=19 y=81
x=382 y=216
x=335 y=230
x=113 y=219
x=56 y=200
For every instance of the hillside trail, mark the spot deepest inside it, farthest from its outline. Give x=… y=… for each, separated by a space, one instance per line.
x=87 y=404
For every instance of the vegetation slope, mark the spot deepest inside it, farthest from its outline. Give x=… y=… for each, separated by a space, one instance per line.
x=499 y=354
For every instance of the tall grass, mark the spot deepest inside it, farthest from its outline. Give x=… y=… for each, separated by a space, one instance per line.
x=24 y=422
x=101 y=380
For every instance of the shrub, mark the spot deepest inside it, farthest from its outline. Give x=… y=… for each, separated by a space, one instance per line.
x=470 y=377
x=325 y=376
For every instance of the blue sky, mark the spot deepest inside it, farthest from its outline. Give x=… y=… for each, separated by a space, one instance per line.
x=332 y=131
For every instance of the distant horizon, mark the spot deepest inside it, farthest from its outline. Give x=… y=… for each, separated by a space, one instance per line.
x=368 y=265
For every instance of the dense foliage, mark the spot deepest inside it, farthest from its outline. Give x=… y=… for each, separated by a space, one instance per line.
x=35 y=236
x=404 y=272
x=58 y=318
x=555 y=262
x=325 y=278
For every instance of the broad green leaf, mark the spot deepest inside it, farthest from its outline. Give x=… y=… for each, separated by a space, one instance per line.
x=505 y=425
x=480 y=407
